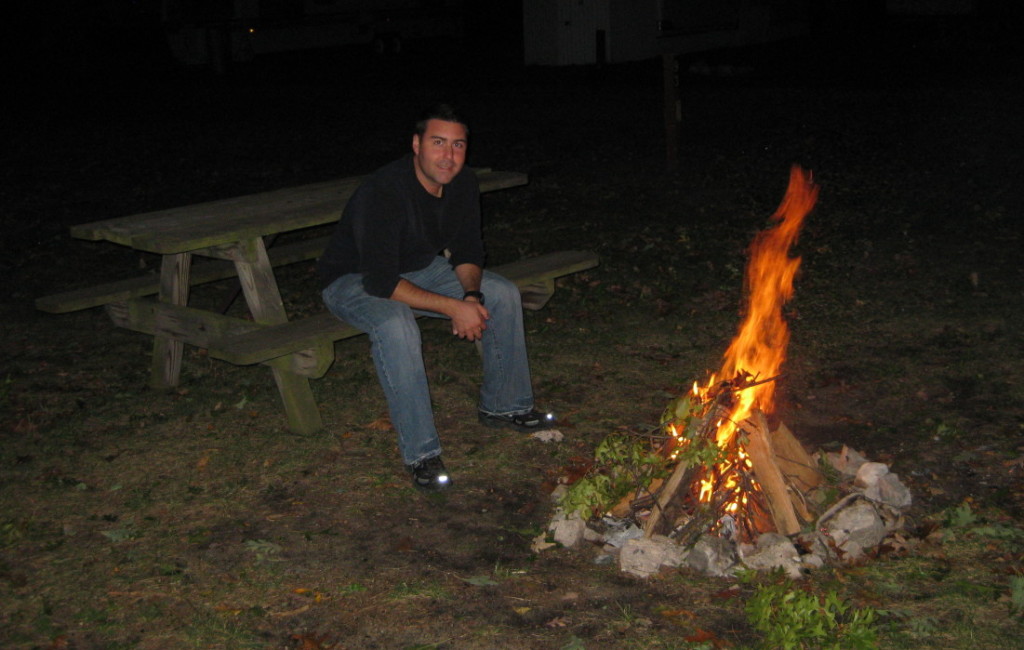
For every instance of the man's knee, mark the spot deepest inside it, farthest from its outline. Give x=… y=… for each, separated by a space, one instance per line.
x=396 y=324
x=498 y=290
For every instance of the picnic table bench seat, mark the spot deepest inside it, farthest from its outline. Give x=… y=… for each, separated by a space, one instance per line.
x=535 y=278
x=305 y=345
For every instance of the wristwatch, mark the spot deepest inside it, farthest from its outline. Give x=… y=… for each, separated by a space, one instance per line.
x=474 y=294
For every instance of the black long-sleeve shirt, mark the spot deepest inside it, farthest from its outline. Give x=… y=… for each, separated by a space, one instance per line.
x=392 y=225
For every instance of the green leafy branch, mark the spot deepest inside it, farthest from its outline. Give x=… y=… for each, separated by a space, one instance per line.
x=621 y=464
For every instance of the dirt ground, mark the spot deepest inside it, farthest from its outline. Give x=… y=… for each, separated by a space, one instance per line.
x=136 y=518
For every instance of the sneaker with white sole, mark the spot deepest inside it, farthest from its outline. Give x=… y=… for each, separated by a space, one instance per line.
x=430 y=474
x=532 y=420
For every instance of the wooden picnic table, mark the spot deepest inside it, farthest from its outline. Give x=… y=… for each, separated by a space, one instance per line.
x=232 y=232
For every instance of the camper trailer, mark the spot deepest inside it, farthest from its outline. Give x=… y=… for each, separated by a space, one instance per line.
x=218 y=32
x=577 y=32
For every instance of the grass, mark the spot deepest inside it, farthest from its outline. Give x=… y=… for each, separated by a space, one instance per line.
x=193 y=519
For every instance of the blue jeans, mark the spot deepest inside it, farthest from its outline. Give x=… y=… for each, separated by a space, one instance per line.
x=397 y=350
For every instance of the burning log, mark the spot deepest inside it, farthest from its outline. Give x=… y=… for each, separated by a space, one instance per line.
x=796 y=464
x=769 y=476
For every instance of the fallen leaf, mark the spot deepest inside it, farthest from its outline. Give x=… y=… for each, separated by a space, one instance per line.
x=291 y=612
x=558 y=621
x=731 y=592
x=307 y=642
x=548 y=435
x=671 y=613
x=703 y=636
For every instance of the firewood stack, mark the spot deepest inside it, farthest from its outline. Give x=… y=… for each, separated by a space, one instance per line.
x=759 y=486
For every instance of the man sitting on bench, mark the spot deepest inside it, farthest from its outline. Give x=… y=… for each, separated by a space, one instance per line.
x=383 y=266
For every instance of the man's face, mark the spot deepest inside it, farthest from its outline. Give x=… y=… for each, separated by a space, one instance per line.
x=439 y=154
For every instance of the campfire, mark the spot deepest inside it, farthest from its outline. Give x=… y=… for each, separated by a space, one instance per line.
x=749 y=488
x=741 y=488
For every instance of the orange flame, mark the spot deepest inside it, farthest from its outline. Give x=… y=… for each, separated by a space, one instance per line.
x=745 y=382
x=756 y=354
x=759 y=348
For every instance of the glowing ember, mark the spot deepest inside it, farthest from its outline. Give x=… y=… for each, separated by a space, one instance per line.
x=745 y=383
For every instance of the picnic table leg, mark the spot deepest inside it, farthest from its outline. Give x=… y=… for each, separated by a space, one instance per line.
x=167 y=352
x=259 y=286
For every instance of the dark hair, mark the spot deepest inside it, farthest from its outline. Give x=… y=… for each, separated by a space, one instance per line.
x=443 y=112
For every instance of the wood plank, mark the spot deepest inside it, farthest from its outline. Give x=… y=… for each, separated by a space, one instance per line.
x=768 y=475
x=202 y=329
x=263 y=343
x=148 y=285
x=193 y=326
x=266 y=343
x=548 y=266
x=256 y=215
x=795 y=463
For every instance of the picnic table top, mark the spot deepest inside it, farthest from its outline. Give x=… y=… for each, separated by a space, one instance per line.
x=203 y=225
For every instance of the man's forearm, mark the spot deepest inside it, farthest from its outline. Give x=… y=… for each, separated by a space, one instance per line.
x=419 y=298
x=469 y=276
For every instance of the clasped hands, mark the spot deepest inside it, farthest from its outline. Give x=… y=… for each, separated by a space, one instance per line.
x=469 y=320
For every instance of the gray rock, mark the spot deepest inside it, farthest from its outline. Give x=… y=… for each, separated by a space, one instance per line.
x=855 y=526
x=868 y=474
x=890 y=491
x=620 y=537
x=713 y=556
x=568 y=530
x=775 y=551
x=593 y=536
x=847 y=461
x=643 y=557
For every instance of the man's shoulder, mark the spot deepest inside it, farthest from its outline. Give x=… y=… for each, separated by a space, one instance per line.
x=396 y=170
x=390 y=179
x=466 y=184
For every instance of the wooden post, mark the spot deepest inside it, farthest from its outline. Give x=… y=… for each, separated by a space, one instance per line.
x=256 y=276
x=672 y=108
x=167 y=351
